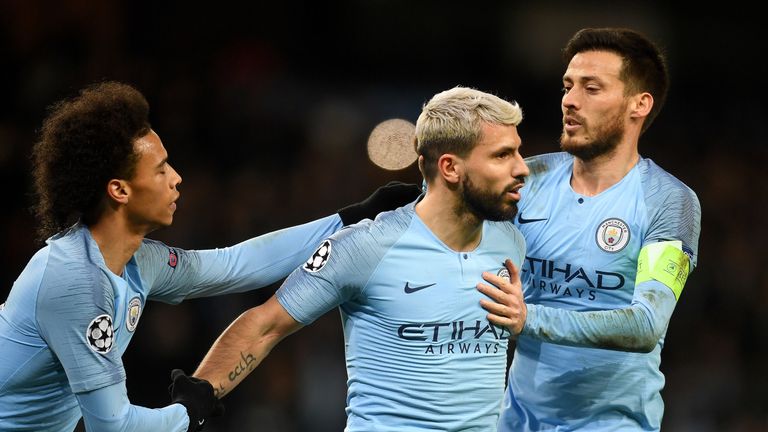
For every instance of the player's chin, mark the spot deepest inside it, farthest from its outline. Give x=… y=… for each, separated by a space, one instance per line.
x=509 y=210
x=165 y=221
x=571 y=143
x=512 y=213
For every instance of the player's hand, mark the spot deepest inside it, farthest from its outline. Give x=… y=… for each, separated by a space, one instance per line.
x=197 y=397
x=508 y=308
x=388 y=197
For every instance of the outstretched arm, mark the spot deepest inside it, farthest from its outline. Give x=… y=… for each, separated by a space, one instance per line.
x=636 y=328
x=176 y=274
x=662 y=271
x=244 y=344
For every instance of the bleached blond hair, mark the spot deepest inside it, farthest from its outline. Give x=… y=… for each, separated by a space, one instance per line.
x=451 y=122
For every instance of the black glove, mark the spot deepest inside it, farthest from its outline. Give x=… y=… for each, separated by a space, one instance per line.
x=197 y=397
x=388 y=197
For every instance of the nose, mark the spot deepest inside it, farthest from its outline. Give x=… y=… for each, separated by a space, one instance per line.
x=175 y=178
x=520 y=170
x=570 y=100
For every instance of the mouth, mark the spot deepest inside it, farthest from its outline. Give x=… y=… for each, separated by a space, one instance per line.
x=571 y=123
x=514 y=191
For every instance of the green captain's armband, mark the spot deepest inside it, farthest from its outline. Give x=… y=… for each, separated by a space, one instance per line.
x=665 y=262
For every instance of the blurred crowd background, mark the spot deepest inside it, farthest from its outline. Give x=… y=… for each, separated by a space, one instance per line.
x=265 y=109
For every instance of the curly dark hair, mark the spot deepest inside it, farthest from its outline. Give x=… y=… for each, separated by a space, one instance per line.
x=85 y=141
x=644 y=67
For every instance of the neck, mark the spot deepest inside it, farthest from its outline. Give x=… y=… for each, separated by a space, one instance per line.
x=441 y=213
x=117 y=241
x=592 y=177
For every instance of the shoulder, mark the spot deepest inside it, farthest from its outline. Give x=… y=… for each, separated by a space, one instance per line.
x=71 y=260
x=674 y=211
x=386 y=228
x=661 y=189
x=364 y=243
x=154 y=250
x=71 y=273
x=544 y=170
x=72 y=293
x=544 y=163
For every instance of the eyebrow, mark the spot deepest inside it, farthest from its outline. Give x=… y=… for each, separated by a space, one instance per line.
x=583 y=78
x=508 y=148
x=162 y=162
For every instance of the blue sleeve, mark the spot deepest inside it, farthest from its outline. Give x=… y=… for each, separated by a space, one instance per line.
x=637 y=328
x=675 y=214
x=108 y=410
x=75 y=316
x=175 y=274
x=336 y=272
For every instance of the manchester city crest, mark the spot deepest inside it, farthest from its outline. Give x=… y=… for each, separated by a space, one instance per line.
x=504 y=273
x=612 y=235
x=132 y=314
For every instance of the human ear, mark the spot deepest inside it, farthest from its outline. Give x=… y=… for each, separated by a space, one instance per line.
x=642 y=104
x=118 y=191
x=450 y=168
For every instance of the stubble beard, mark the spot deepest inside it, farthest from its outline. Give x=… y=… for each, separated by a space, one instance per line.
x=605 y=141
x=486 y=205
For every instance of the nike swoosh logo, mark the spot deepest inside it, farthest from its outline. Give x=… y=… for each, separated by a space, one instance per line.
x=521 y=220
x=409 y=289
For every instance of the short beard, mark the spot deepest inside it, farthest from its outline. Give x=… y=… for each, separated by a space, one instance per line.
x=605 y=142
x=484 y=204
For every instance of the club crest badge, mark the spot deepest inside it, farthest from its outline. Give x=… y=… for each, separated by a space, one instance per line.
x=133 y=314
x=100 y=335
x=503 y=272
x=612 y=235
x=319 y=258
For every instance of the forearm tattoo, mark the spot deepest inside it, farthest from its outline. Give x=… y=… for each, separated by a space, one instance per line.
x=219 y=392
x=246 y=364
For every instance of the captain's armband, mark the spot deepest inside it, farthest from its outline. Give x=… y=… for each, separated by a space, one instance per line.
x=664 y=262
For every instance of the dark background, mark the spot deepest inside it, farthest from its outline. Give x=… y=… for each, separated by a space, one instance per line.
x=265 y=110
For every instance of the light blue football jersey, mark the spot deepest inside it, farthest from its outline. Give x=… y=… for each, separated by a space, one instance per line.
x=420 y=352
x=68 y=319
x=582 y=256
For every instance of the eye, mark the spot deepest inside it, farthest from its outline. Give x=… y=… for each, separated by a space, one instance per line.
x=565 y=90
x=163 y=168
